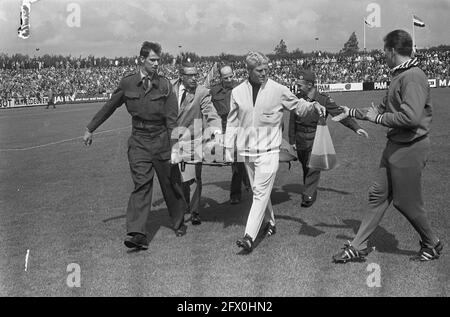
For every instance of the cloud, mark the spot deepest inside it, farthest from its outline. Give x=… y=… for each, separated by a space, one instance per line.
x=3 y=16
x=122 y=29
x=207 y=27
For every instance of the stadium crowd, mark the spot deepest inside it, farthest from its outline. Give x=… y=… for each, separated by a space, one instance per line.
x=21 y=76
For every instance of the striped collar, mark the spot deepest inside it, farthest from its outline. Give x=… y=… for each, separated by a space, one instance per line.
x=406 y=65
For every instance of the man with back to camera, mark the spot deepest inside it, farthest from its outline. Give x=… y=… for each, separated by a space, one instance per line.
x=407 y=112
x=153 y=107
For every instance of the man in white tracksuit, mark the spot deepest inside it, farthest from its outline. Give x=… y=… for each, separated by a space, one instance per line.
x=253 y=135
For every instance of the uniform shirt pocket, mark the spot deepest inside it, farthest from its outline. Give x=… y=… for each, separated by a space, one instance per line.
x=157 y=96
x=132 y=94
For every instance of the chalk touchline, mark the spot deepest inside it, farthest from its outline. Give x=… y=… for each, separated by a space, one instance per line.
x=58 y=142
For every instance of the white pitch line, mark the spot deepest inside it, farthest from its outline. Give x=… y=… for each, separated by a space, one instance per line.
x=26 y=260
x=14 y=115
x=59 y=142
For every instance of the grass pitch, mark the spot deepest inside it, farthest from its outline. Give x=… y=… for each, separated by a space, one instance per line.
x=66 y=203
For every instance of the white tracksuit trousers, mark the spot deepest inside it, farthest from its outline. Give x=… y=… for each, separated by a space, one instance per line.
x=262 y=171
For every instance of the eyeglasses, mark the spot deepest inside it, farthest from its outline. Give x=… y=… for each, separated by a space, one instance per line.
x=191 y=75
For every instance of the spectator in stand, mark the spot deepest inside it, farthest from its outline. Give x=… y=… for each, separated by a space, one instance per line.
x=24 y=77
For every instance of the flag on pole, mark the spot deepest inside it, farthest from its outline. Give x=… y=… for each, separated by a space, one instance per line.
x=369 y=24
x=211 y=76
x=418 y=22
x=24 y=29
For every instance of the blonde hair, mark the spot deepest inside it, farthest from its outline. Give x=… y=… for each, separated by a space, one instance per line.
x=255 y=59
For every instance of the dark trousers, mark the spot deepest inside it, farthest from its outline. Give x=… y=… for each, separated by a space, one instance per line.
x=311 y=177
x=192 y=191
x=143 y=166
x=239 y=175
x=399 y=180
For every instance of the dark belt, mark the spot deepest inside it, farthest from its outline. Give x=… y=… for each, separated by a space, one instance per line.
x=305 y=129
x=154 y=128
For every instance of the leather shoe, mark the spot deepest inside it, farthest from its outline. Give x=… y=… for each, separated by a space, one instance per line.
x=181 y=231
x=137 y=241
x=245 y=243
x=195 y=219
x=270 y=230
x=308 y=201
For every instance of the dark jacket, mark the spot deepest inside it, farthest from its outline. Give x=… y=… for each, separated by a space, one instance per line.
x=407 y=108
x=154 y=111
x=220 y=97
x=302 y=130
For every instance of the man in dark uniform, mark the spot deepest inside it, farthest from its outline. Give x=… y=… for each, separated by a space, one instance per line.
x=51 y=101
x=153 y=107
x=302 y=131
x=220 y=95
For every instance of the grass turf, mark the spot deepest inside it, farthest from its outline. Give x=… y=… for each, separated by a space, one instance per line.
x=66 y=204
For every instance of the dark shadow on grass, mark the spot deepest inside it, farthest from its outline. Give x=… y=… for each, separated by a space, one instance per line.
x=381 y=239
x=229 y=215
x=306 y=229
x=281 y=195
x=113 y=218
x=225 y=213
x=293 y=188
x=342 y=192
x=156 y=220
x=277 y=196
x=298 y=189
x=225 y=185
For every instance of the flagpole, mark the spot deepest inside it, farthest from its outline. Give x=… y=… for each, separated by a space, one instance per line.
x=413 y=35
x=364 y=25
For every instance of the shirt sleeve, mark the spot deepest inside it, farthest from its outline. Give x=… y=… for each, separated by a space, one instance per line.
x=382 y=106
x=290 y=102
x=116 y=100
x=210 y=113
x=359 y=114
x=171 y=107
x=292 y=128
x=334 y=110
x=232 y=124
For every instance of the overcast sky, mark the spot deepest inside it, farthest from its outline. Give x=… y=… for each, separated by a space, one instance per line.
x=209 y=27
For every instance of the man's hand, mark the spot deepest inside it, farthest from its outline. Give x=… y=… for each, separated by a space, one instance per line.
x=87 y=138
x=363 y=133
x=372 y=113
x=345 y=114
x=175 y=157
x=294 y=146
x=217 y=132
x=321 y=110
x=217 y=135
